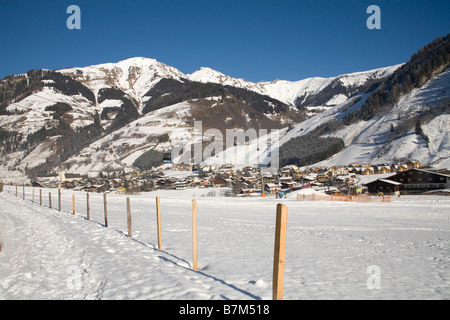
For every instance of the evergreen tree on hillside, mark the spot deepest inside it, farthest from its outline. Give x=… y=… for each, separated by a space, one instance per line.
x=309 y=149
x=429 y=61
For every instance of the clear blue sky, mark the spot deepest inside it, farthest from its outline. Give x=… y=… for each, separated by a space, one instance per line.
x=256 y=40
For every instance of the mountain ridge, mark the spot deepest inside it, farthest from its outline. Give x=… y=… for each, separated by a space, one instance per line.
x=103 y=117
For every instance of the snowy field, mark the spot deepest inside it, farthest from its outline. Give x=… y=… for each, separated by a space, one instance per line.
x=335 y=250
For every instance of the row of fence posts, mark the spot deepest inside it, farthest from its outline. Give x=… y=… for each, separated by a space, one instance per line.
x=280 y=232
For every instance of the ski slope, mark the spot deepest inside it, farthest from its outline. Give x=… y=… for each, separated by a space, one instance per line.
x=332 y=248
x=368 y=141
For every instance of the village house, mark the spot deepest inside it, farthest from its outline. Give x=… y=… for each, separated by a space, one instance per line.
x=420 y=180
x=382 y=169
x=341 y=171
x=413 y=164
x=285 y=172
x=268 y=178
x=219 y=182
x=355 y=170
x=272 y=187
x=323 y=175
x=287 y=182
x=73 y=177
x=250 y=180
x=410 y=181
x=69 y=177
x=367 y=171
x=384 y=186
x=204 y=182
x=307 y=179
x=182 y=185
x=226 y=172
x=166 y=183
x=346 y=180
x=95 y=188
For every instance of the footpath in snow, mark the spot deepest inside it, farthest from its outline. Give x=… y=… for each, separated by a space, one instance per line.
x=335 y=250
x=52 y=255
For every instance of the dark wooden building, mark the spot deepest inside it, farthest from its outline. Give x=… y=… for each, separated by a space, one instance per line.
x=384 y=186
x=411 y=181
x=420 y=180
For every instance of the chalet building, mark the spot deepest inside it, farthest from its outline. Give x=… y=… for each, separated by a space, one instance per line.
x=272 y=187
x=346 y=179
x=399 y=167
x=269 y=178
x=367 y=171
x=355 y=170
x=420 y=180
x=69 y=177
x=382 y=169
x=165 y=183
x=37 y=184
x=288 y=184
x=383 y=186
x=218 y=182
x=324 y=176
x=341 y=171
x=413 y=164
x=204 y=182
x=95 y=188
x=285 y=172
x=285 y=179
x=250 y=180
x=182 y=185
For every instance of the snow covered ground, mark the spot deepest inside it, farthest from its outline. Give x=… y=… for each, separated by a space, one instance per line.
x=335 y=250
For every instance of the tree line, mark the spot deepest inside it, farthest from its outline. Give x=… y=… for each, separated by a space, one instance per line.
x=170 y=91
x=429 y=61
x=309 y=149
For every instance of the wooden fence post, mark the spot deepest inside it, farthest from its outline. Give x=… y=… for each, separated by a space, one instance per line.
x=40 y=197
x=194 y=234
x=73 y=204
x=16 y=191
x=23 y=191
x=49 y=199
x=279 y=252
x=59 y=199
x=9 y=188
x=158 y=221
x=129 y=217
x=105 y=210
x=88 y=209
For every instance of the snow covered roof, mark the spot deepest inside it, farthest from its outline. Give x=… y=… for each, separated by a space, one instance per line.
x=390 y=182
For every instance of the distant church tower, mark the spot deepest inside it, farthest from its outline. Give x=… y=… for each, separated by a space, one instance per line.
x=62 y=175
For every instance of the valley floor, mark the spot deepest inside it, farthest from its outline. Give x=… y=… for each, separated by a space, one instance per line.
x=335 y=250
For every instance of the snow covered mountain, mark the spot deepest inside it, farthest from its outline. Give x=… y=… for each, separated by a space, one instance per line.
x=134 y=76
x=105 y=117
x=50 y=119
x=302 y=93
x=376 y=141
